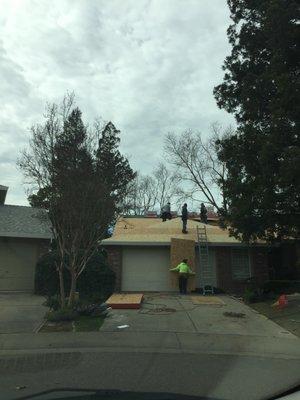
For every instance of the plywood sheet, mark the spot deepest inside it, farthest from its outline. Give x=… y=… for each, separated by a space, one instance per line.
x=124 y=300
x=207 y=300
x=180 y=249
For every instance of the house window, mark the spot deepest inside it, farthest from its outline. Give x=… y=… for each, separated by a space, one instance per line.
x=240 y=264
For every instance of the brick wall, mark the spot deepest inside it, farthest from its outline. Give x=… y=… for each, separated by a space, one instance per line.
x=224 y=275
x=114 y=255
x=258 y=265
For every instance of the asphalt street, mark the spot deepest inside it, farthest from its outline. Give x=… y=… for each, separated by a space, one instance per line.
x=214 y=377
x=192 y=351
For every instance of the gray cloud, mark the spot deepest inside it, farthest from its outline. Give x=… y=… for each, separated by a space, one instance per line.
x=149 y=66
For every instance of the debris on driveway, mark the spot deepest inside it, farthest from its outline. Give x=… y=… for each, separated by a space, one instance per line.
x=20 y=387
x=123 y=326
x=234 y=314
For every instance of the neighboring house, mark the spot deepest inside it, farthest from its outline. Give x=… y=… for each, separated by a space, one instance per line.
x=24 y=235
x=139 y=253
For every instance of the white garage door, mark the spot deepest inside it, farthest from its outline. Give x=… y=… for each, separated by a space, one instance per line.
x=146 y=269
x=17 y=264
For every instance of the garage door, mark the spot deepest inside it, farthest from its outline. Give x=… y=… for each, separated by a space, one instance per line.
x=17 y=264
x=146 y=269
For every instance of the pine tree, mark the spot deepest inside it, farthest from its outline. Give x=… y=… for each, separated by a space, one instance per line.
x=112 y=165
x=261 y=88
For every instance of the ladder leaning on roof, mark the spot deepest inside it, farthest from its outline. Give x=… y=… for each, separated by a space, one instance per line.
x=204 y=260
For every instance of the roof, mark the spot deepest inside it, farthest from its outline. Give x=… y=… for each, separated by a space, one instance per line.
x=24 y=222
x=3 y=191
x=143 y=231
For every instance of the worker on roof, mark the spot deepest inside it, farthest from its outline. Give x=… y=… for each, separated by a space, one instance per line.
x=203 y=213
x=184 y=217
x=166 y=212
x=183 y=274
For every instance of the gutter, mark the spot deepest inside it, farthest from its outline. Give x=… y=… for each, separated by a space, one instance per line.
x=159 y=244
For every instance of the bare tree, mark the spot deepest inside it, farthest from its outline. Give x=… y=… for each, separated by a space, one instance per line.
x=68 y=176
x=149 y=192
x=36 y=163
x=141 y=196
x=166 y=185
x=197 y=164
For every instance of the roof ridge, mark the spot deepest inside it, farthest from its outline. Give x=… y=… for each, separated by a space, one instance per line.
x=20 y=206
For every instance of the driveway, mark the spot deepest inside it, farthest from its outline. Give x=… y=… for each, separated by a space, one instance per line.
x=20 y=312
x=180 y=314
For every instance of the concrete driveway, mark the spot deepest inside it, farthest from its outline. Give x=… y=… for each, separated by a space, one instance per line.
x=20 y=312
x=174 y=313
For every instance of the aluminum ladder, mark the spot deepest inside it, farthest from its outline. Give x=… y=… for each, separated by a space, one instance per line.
x=204 y=259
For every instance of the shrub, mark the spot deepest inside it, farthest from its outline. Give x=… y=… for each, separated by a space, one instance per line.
x=46 y=276
x=63 y=314
x=93 y=310
x=96 y=282
x=250 y=296
x=53 y=302
x=282 y=286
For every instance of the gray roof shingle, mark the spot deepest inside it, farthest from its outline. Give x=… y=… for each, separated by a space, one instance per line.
x=24 y=222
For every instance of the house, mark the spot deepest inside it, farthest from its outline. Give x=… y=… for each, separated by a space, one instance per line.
x=139 y=252
x=24 y=235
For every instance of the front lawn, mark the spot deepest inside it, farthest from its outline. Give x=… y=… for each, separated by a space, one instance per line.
x=80 y=324
x=88 y=324
x=287 y=317
x=61 y=326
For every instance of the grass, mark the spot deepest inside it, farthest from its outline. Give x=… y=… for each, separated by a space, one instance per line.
x=62 y=326
x=88 y=324
x=80 y=324
x=287 y=317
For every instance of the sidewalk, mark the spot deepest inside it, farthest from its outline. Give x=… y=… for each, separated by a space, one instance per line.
x=179 y=326
x=161 y=342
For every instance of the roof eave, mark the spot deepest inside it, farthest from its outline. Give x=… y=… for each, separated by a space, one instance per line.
x=211 y=244
x=25 y=235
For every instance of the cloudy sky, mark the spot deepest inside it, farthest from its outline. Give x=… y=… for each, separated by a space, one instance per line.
x=148 y=65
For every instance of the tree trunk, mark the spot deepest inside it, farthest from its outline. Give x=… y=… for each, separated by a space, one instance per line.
x=72 y=288
x=61 y=286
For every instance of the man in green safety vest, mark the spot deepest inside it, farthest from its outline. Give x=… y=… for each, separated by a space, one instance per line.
x=183 y=273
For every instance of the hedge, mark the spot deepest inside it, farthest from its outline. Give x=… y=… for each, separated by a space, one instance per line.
x=96 y=280
x=282 y=286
